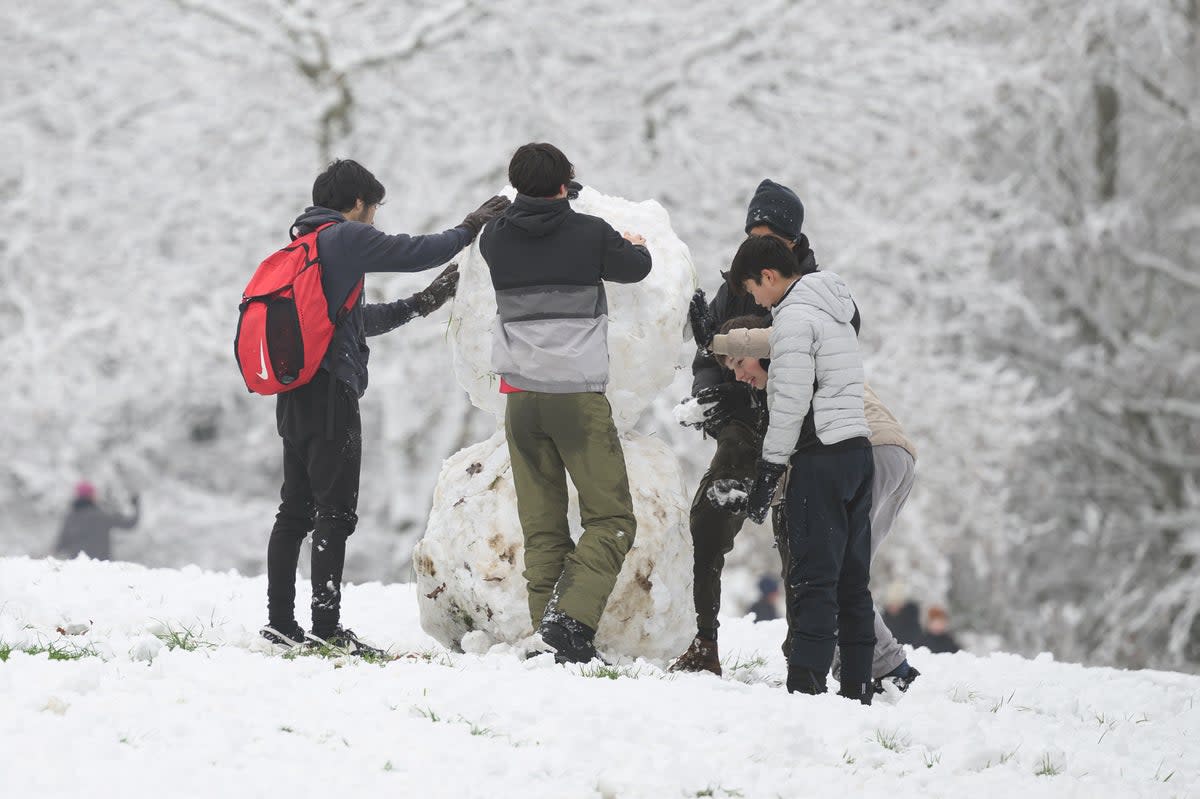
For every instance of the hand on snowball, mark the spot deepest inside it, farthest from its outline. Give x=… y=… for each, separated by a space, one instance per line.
x=720 y=399
x=759 y=502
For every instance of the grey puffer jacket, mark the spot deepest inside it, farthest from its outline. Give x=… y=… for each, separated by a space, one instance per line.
x=815 y=364
x=756 y=343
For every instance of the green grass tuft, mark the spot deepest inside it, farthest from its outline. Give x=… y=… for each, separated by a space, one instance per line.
x=57 y=650
x=892 y=740
x=1047 y=767
x=183 y=637
x=603 y=671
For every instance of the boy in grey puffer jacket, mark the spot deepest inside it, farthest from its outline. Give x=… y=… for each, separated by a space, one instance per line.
x=895 y=460
x=817 y=423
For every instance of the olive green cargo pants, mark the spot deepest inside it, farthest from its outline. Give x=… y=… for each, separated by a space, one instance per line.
x=547 y=434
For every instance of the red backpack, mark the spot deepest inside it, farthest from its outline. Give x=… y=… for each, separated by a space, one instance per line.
x=284 y=325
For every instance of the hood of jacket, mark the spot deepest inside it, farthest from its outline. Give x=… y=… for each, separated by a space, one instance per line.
x=536 y=216
x=824 y=291
x=313 y=217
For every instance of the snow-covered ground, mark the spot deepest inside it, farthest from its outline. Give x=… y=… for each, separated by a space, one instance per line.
x=138 y=717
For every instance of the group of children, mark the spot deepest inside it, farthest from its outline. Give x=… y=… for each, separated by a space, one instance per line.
x=845 y=465
x=784 y=399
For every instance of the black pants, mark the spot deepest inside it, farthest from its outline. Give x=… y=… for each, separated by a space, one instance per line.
x=322 y=456
x=713 y=529
x=826 y=549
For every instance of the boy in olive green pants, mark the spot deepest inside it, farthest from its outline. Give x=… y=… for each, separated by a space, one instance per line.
x=548 y=266
x=547 y=432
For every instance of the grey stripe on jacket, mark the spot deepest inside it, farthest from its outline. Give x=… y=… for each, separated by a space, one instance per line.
x=813 y=342
x=552 y=338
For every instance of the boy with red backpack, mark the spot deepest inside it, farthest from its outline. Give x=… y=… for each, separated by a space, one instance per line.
x=305 y=340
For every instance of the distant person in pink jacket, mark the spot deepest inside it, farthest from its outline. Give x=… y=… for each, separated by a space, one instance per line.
x=87 y=528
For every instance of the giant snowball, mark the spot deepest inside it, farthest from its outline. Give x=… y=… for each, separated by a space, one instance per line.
x=469 y=564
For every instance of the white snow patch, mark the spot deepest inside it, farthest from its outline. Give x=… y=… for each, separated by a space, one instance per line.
x=726 y=494
x=438 y=724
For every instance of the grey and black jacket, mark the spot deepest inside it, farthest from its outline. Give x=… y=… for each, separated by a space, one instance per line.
x=815 y=383
x=547 y=264
x=349 y=250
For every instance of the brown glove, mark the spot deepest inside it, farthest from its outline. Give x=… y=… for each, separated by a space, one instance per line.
x=435 y=295
x=485 y=213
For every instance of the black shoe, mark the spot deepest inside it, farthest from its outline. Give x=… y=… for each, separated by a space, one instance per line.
x=345 y=640
x=288 y=636
x=900 y=683
x=805 y=681
x=571 y=640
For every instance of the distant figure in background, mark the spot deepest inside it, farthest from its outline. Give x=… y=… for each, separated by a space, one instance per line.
x=765 y=609
x=87 y=528
x=937 y=631
x=903 y=618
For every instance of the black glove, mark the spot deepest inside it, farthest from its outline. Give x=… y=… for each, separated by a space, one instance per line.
x=485 y=213
x=729 y=494
x=759 y=503
x=701 y=318
x=573 y=189
x=721 y=400
x=435 y=295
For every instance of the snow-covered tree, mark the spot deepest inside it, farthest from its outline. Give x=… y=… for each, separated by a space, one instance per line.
x=1098 y=141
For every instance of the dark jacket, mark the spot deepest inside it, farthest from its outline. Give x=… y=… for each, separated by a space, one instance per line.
x=939 y=643
x=745 y=403
x=348 y=250
x=905 y=623
x=88 y=529
x=763 y=610
x=547 y=264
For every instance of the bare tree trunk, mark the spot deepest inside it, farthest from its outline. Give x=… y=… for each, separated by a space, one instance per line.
x=1107 y=140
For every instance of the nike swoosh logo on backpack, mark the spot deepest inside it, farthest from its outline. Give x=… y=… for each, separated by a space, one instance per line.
x=262 y=360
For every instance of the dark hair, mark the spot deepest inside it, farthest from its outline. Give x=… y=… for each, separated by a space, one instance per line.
x=343 y=184
x=756 y=254
x=750 y=321
x=539 y=169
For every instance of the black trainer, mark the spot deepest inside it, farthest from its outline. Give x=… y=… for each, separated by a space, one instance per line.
x=346 y=640
x=571 y=640
x=288 y=636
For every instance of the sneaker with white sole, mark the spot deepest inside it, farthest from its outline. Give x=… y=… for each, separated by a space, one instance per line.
x=288 y=636
x=346 y=640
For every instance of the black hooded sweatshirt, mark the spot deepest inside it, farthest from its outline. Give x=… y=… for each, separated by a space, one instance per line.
x=348 y=250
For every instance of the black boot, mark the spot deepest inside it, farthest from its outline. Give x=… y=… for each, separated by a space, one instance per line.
x=571 y=640
x=805 y=681
x=862 y=691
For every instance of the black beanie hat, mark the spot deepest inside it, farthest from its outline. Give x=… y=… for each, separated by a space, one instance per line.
x=778 y=208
